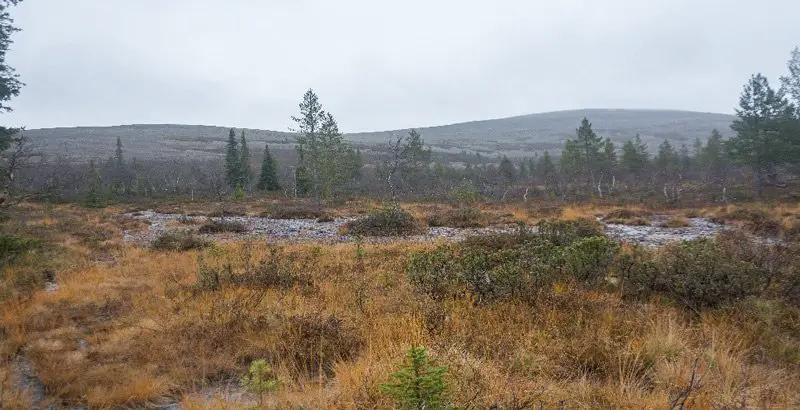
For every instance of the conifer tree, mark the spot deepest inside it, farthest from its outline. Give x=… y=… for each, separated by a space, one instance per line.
x=765 y=135
x=268 y=180
x=589 y=145
x=93 y=198
x=507 y=171
x=419 y=383
x=232 y=160
x=244 y=172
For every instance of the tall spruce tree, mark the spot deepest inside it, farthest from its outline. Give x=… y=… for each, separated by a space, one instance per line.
x=589 y=145
x=268 y=180
x=232 y=160
x=119 y=171
x=244 y=172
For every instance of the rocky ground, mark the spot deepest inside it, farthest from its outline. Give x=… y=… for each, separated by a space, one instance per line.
x=309 y=230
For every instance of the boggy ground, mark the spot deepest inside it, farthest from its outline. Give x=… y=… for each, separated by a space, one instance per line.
x=132 y=327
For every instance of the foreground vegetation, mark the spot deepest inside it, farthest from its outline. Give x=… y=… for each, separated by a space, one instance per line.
x=562 y=318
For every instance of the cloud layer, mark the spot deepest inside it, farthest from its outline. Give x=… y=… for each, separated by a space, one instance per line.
x=382 y=66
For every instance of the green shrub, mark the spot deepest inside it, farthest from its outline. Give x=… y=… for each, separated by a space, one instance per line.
x=386 y=222
x=486 y=273
x=178 y=241
x=433 y=273
x=222 y=226
x=13 y=245
x=565 y=232
x=504 y=240
x=464 y=193
x=589 y=259
x=459 y=218
x=697 y=274
x=418 y=384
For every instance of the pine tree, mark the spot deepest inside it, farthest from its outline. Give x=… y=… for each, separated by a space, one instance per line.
x=507 y=171
x=232 y=160
x=244 y=172
x=589 y=144
x=523 y=171
x=635 y=157
x=667 y=160
x=790 y=84
x=93 y=198
x=325 y=158
x=268 y=180
x=609 y=157
x=765 y=135
x=546 y=170
x=571 y=159
x=119 y=173
x=418 y=384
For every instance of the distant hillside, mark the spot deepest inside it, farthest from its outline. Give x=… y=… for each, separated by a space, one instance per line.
x=514 y=136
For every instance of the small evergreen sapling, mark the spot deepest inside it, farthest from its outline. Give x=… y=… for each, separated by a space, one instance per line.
x=260 y=380
x=418 y=384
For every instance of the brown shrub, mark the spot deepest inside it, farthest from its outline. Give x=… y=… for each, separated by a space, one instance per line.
x=315 y=342
x=222 y=226
x=300 y=210
x=459 y=218
x=387 y=222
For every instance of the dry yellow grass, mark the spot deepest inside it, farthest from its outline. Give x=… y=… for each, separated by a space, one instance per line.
x=128 y=331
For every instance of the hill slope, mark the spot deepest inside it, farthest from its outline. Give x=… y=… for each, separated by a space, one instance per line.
x=515 y=136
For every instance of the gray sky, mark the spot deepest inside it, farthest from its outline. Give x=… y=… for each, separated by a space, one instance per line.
x=383 y=65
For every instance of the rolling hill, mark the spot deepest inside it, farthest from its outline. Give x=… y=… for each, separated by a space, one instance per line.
x=514 y=136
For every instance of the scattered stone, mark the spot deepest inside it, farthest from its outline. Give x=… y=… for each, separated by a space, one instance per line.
x=311 y=230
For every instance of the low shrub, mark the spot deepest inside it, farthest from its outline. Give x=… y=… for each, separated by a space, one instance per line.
x=178 y=241
x=459 y=218
x=296 y=211
x=222 y=226
x=504 y=240
x=464 y=193
x=386 y=222
x=564 y=232
x=13 y=245
x=697 y=274
x=589 y=259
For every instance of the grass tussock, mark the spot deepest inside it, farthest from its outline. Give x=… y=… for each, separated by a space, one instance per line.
x=628 y=216
x=677 y=222
x=560 y=318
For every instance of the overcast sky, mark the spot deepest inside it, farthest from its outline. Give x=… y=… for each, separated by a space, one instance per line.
x=384 y=65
